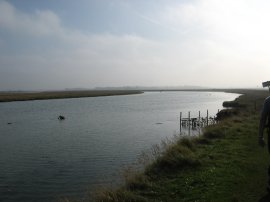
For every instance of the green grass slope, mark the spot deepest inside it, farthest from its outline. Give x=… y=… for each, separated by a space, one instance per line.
x=223 y=164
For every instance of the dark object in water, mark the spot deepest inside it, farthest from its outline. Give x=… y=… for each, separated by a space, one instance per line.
x=61 y=117
x=9 y=123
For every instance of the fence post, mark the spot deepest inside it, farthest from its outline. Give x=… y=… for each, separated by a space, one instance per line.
x=215 y=118
x=199 y=121
x=180 y=122
x=207 y=118
x=189 y=122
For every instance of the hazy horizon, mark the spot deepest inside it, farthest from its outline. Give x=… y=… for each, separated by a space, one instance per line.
x=65 y=44
x=136 y=87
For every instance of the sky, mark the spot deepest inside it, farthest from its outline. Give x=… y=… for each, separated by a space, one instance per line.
x=59 y=44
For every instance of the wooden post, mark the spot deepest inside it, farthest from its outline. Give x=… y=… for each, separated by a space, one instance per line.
x=207 y=118
x=180 y=122
x=199 y=118
x=189 y=123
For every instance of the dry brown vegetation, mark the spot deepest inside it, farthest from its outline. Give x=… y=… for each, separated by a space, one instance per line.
x=24 y=96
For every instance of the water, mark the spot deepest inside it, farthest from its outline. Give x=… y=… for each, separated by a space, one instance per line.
x=43 y=158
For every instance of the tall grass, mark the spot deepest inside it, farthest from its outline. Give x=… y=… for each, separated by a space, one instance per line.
x=170 y=154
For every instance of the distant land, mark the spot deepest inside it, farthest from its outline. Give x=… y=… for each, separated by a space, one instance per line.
x=9 y=96
x=128 y=88
x=46 y=95
x=151 y=88
x=185 y=87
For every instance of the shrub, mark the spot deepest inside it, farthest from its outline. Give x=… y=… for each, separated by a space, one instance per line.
x=176 y=157
x=226 y=113
x=232 y=104
x=187 y=142
x=215 y=131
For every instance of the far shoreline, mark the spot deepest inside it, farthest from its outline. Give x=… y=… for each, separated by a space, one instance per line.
x=48 y=95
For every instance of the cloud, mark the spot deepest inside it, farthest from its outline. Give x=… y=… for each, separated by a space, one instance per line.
x=230 y=21
x=40 y=23
x=85 y=60
x=217 y=42
x=233 y=34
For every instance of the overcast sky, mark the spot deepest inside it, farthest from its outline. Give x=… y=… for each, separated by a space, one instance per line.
x=58 y=44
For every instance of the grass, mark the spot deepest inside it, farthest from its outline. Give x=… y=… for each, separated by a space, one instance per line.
x=224 y=164
x=25 y=96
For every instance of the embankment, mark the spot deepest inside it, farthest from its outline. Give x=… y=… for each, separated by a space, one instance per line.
x=223 y=164
x=25 y=96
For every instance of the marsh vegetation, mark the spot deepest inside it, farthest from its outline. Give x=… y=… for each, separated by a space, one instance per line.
x=24 y=96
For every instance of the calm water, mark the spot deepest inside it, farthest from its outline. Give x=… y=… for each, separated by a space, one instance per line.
x=43 y=158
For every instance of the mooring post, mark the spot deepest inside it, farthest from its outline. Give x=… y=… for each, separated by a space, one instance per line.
x=207 y=118
x=199 y=121
x=188 y=118
x=180 y=122
x=189 y=123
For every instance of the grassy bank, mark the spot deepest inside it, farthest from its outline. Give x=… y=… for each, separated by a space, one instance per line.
x=21 y=96
x=224 y=164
